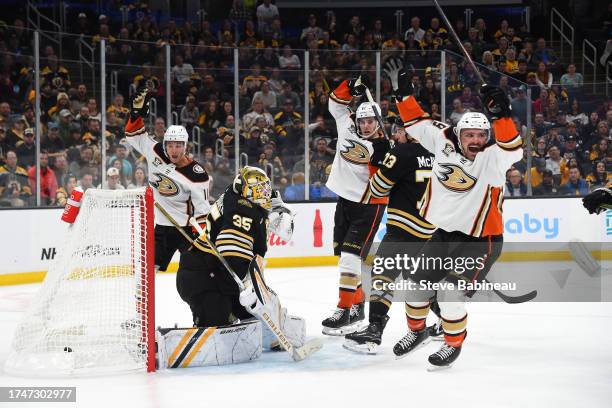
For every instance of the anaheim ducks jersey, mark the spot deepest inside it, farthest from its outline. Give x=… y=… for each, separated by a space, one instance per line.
x=238 y=228
x=463 y=195
x=351 y=168
x=182 y=191
x=403 y=177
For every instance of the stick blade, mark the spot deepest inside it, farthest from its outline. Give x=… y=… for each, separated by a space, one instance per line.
x=308 y=349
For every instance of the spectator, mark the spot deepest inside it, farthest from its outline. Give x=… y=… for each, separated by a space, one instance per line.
x=312 y=29
x=429 y=95
x=521 y=73
x=286 y=94
x=547 y=187
x=296 y=191
x=270 y=157
x=85 y=162
x=570 y=150
x=519 y=104
x=510 y=63
x=572 y=80
x=140 y=178
x=92 y=109
x=600 y=150
x=319 y=190
x=53 y=143
x=469 y=100
x=55 y=75
x=86 y=181
x=62 y=103
x=537 y=171
x=26 y=149
x=63 y=193
x=60 y=167
x=514 y=184
x=275 y=81
x=5 y=113
x=599 y=177
x=80 y=98
x=48 y=181
x=458 y=111
x=253 y=81
x=266 y=95
x=63 y=124
x=113 y=181
x=189 y=113
x=257 y=109
x=289 y=60
x=268 y=60
x=209 y=118
x=16 y=133
x=266 y=13
x=576 y=115
x=159 y=128
x=121 y=154
x=320 y=158
x=545 y=55
x=181 y=71
x=541 y=103
x=415 y=29
x=14 y=188
x=285 y=118
x=544 y=79
x=576 y=186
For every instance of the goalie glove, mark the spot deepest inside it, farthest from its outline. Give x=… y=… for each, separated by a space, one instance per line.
x=598 y=200
x=400 y=81
x=139 y=104
x=281 y=218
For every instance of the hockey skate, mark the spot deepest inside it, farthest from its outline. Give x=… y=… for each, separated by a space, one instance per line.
x=344 y=320
x=444 y=357
x=410 y=342
x=367 y=340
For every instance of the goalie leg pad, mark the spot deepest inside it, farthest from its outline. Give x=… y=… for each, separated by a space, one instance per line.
x=293 y=327
x=209 y=346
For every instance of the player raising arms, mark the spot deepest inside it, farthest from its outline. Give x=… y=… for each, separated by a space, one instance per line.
x=402 y=176
x=464 y=200
x=180 y=184
x=357 y=216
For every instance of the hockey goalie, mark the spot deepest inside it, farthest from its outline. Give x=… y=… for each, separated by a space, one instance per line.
x=235 y=314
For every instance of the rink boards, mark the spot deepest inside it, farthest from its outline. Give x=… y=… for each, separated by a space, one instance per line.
x=34 y=236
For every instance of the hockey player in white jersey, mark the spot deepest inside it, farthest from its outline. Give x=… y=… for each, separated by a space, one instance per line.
x=179 y=183
x=464 y=200
x=357 y=214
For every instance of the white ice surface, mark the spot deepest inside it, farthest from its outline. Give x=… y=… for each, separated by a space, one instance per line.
x=528 y=355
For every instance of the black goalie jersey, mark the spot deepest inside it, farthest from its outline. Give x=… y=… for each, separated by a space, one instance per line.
x=238 y=228
x=403 y=176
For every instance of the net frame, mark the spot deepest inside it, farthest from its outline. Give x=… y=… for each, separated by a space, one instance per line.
x=95 y=311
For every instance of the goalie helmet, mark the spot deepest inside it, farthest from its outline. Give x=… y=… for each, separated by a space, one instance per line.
x=472 y=120
x=253 y=184
x=175 y=133
x=366 y=110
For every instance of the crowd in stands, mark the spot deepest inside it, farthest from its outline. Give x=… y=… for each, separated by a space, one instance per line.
x=570 y=136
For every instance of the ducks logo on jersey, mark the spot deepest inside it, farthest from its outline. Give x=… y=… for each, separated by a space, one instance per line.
x=455 y=178
x=165 y=185
x=355 y=152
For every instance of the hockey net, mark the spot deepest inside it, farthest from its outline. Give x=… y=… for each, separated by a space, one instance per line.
x=95 y=310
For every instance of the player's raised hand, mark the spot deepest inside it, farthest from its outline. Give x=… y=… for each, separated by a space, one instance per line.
x=495 y=102
x=400 y=81
x=358 y=84
x=139 y=104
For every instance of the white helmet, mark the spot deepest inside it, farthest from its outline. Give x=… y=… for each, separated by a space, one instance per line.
x=472 y=120
x=175 y=133
x=366 y=110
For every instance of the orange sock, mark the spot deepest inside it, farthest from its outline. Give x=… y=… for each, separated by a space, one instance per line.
x=359 y=295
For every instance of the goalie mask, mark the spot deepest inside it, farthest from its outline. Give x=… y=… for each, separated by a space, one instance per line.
x=175 y=133
x=472 y=120
x=253 y=184
x=365 y=115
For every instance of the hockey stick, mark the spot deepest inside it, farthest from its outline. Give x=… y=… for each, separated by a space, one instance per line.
x=173 y=221
x=296 y=353
x=458 y=41
x=515 y=299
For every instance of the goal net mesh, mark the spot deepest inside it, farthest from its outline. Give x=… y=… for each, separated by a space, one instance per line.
x=92 y=312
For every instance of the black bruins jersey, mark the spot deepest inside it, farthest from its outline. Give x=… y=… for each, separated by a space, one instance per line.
x=403 y=176
x=238 y=228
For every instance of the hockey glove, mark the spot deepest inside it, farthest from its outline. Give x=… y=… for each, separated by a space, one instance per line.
x=495 y=102
x=598 y=200
x=358 y=84
x=139 y=104
x=400 y=81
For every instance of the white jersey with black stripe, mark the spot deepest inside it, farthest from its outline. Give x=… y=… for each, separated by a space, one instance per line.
x=182 y=191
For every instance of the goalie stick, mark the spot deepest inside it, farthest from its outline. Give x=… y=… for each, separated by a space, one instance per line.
x=296 y=353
